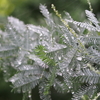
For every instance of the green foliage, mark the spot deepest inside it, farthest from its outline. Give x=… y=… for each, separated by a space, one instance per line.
x=7 y=6
x=63 y=56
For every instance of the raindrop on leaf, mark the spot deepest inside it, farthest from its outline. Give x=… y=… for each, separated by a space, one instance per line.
x=59 y=58
x=79 y=58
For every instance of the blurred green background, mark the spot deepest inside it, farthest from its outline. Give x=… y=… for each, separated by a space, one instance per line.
x=28 y=11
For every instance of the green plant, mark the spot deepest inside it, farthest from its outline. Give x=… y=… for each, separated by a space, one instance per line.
x=65 y=56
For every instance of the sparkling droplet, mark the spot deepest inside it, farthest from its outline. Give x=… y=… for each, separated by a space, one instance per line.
x=54 y=85
x=83 y=74
x=59 y=58
x=40 y=34
x=5 y=71
x=29 y=95
x=32 y=38
x=12 y=80
x=10 y=28
x=79 y=58
x=60 y=74
x=69 y=87
x=70 y=73
x=67 y=70
x=94 y=87
x=20 y=48
x=19 y=62
x=98 y=94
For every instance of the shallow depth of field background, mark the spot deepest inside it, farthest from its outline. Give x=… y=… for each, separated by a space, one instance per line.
x=28 y=11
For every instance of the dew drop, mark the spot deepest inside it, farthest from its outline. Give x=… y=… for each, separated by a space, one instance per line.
x=79 y=58
x=70 y=73
x=29 y=95
x=19 y=62
x=28 y=53
x=83 y=74
x=40 y=34
x=87 y=35
x=31 y=45
x=12 y=80
x=10 y=28
x=67 y=70
x=54 y=85
x=59 y=58
x=98 y=94
x=69 y=87
x=60 y=74
x=5 y=71
x=20 y=48
x=32 y=38
x=94 y=87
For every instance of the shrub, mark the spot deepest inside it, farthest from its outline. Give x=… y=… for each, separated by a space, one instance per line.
x=65 y=56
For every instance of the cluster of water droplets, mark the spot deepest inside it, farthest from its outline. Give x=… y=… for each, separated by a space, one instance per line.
x=30 y=95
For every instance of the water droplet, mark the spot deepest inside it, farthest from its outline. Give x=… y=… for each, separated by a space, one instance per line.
x=31 y=45
x=59 y=58
x=20 y=48
x=70 y=73
x=10 y=28
x=54 y=85
x=94 y=87
x=98 y=94
x=19 y=62
x=45 y=51
x=5 y=71
x=40 y=34
x=79 y=58
x=67 y=69
x=32 y=38
x=29 y=95
x=12 y=80
x=83 y=74
x=28 y=53
x=87 y=35
x=69 y=87
x=60 y=74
